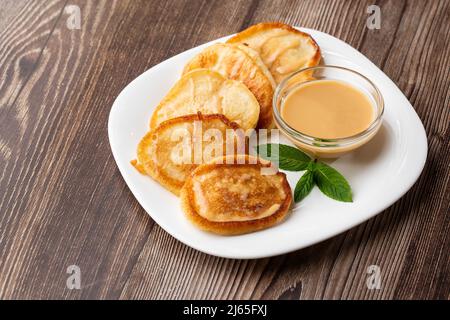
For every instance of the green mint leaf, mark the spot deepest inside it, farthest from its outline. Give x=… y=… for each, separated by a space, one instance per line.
x=304 y=186
x=289 y=158
x=332 y=183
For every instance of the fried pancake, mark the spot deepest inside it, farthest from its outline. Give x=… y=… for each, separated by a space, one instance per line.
x=233 y=199
x=237 y=64
x=208 y=92
x=282 y=48
x=257 y=59
x=167 y=153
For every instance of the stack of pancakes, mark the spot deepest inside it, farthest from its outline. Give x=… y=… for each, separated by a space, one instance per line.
x=225 y=90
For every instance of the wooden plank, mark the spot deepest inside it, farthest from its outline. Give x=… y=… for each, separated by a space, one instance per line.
x=63 y=202
x=26 y=31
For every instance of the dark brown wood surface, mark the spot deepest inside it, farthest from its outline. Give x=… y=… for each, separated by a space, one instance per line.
x=63 y=201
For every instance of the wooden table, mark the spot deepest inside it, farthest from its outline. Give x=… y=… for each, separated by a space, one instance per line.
x=63 y=201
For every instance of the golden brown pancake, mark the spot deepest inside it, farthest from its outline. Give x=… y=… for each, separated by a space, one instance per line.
x=237 y=64
x=257 y=59
x=282 y=48
x=232 y=199
x=167 y=153
x=208 y=92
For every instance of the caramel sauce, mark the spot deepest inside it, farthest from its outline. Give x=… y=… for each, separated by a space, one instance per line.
x=328 y=109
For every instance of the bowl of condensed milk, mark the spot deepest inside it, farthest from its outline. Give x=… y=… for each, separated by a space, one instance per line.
x=328 y=111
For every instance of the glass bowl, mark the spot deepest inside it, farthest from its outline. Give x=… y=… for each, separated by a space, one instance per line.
x=317 y=146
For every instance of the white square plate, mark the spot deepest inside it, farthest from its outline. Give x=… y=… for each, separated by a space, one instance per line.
x=380 y=172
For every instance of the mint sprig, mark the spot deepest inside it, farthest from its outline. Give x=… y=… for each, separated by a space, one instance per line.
x=329 y=180
x=332 y=183
x=288 y=158
x=304 y=186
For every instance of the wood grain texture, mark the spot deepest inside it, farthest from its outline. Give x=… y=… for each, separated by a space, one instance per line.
x=63 y=201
